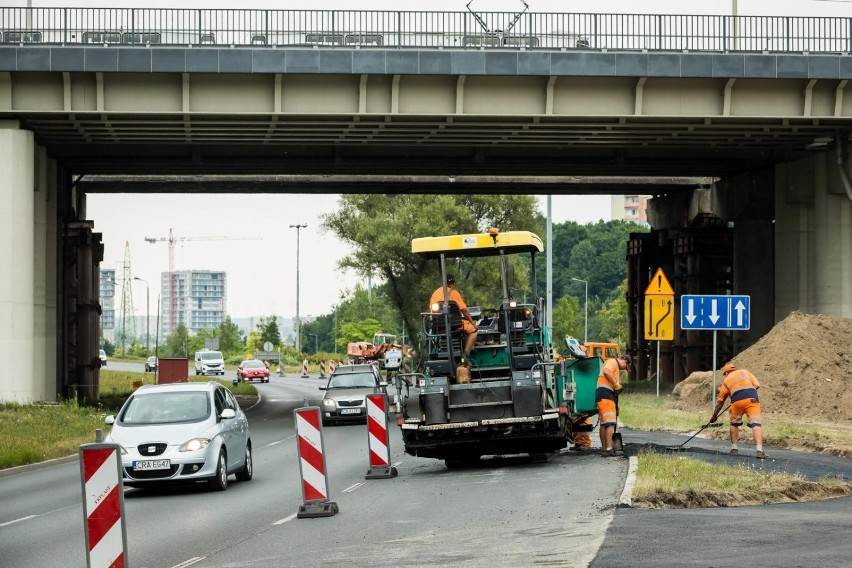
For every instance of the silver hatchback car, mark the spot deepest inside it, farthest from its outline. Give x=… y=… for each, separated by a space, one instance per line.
x=346 y=391
x=182 y=433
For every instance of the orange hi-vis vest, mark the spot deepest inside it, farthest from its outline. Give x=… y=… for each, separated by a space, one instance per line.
x=606 y=388
x=739 y=385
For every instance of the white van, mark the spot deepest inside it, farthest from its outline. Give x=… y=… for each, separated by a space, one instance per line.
x=209 y=362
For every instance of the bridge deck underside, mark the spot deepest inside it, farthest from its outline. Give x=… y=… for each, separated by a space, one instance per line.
x=173 y=123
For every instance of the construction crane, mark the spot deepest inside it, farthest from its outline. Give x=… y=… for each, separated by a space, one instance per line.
x=172 y=239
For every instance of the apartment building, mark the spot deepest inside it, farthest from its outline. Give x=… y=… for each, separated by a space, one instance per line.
x=195 y=298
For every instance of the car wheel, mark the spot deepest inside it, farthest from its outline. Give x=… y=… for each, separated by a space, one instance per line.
x=220 y=480
x=248 y=469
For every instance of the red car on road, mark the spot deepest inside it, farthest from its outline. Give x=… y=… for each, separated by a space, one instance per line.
x=253 y=370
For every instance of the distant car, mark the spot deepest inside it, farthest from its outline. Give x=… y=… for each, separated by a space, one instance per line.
x=345 y=393
x=182 y=433
x=151 y=364
x=253 y=370
x=103 y=357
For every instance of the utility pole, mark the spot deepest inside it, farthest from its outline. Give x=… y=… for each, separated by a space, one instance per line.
x=298 y=322
x=147 y=315
x=126 y=296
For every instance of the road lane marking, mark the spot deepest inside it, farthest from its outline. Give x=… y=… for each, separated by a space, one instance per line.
x=277 y=442
x=352 y=488
x=285 y=519
x=189 y=562
x=6 y=524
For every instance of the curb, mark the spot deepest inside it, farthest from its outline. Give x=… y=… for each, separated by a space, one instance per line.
x=10 y=471
x=626 y=499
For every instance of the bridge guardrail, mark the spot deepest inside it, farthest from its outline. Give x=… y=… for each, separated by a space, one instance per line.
x=402 y=29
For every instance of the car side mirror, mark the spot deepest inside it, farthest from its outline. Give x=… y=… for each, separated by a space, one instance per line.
x=228 y=413
x=323 y=388
x=383 y=384
x=109 y=420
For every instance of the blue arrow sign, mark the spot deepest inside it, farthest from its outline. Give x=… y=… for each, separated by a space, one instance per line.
x=715 y=312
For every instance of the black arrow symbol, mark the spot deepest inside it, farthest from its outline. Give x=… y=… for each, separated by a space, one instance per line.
x=650 y=317
x=662 y=319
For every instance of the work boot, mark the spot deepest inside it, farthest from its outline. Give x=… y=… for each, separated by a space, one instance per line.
x=734 y=451
x=607 y=453
x=760 y=455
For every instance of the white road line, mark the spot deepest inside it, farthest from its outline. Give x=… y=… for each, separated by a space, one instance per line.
x=285 y=519
x=352 y=488
x=189 y=562
x=276 y=442
x=6 y=524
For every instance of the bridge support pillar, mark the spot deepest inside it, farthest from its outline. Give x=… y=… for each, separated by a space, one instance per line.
x=813 y=244
x=17 y=258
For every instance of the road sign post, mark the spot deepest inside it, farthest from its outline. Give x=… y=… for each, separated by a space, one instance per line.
x=711 y=312
x=659 y=313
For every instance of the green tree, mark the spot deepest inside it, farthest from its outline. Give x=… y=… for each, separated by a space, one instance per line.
x=613 y=317
x=269 y=331
x=380 y=228
x=230 y=338
x=567 y=320
x=254 y=341
x=357 y=331
x=323 y=329
x=176 y=344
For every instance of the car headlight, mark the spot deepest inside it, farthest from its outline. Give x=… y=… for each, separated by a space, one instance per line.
x=328 y=403
x=194 y=445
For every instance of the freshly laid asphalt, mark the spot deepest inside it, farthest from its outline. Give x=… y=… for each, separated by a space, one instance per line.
x=788 y=535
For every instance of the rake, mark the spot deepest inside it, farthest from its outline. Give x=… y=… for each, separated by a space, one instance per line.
x=680 y=447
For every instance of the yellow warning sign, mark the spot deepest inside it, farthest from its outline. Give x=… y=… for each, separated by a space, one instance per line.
x=659 y=285
x=659 y=317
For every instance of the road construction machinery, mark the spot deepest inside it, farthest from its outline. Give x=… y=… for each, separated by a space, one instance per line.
x=509 y=396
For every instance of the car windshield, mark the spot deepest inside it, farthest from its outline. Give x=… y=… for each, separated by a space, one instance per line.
x=166 y=407
x=211 y=355
x=352 y=380
x=253 y=364
x=152 y=359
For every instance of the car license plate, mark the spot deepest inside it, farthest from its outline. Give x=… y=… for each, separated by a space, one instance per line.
x=151 y=465
x=350 y=411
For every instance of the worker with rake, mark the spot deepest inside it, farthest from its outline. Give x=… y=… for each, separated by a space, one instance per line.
x=741 y=386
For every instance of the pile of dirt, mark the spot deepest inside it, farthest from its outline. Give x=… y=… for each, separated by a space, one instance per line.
x=804 y=365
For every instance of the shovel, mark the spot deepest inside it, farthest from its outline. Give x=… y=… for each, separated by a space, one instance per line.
x=680 y=447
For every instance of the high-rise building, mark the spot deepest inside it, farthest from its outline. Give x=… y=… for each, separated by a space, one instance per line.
x=200 y=300
x=107 y=300
x=630 y=208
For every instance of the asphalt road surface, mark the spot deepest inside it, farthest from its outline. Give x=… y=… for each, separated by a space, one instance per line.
x=504 y=512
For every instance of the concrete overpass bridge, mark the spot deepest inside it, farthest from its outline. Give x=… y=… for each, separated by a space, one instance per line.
x=156 y=100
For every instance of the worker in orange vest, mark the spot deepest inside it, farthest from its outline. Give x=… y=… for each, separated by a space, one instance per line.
x=609 y=385
x=741 y=386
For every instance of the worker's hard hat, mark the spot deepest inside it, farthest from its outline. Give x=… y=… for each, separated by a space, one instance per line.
x=728 y=368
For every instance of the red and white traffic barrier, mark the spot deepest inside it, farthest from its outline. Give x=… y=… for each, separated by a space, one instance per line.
x=378 y=438
x=312 y=466
x=103 y=505
x=331 y=366
x=305 y=369
x=322 y=368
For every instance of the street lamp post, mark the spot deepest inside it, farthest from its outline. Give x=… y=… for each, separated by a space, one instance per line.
x=298 y=322
x=147 y=315
x=586 y=306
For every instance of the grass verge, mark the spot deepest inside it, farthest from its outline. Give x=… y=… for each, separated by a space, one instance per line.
x=36 y=432
x=664 y=481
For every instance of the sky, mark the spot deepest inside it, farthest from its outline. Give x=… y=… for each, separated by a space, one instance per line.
x=259 y=254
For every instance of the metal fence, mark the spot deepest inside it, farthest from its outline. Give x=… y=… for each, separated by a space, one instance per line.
x=460 y=30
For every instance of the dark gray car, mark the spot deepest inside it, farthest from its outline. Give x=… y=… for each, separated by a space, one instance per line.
x=345 y=393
